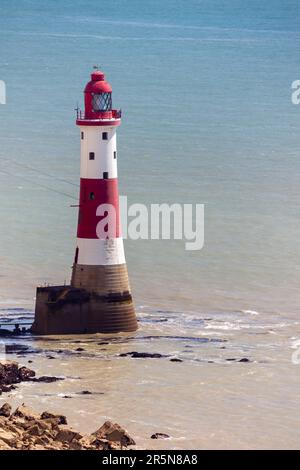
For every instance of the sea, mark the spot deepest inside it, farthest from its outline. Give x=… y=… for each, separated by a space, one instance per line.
x=205 y=88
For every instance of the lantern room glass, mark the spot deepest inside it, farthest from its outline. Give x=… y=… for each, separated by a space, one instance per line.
x=102 y=102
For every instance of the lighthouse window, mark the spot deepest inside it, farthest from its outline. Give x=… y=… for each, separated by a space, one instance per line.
x=82 y=135
x=92 y=156
x=102 y=102
x=104 y=136
x=115 y=154
x=105 y=175
x=92 y=196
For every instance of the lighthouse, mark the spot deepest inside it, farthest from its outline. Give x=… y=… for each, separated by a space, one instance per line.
x=98 y=299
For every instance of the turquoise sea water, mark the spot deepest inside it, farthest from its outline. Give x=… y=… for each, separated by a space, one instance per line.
x=205 y=89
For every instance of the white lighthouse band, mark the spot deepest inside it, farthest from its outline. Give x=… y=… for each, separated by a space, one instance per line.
x=98 y=152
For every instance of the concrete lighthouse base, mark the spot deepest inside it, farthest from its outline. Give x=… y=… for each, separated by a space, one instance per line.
x=70 y=310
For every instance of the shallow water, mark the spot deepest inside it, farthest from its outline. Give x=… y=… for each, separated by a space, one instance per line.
x=210 y=400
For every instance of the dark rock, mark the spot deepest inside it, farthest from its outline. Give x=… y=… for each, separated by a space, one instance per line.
x=244 y=359
x=114 y=432
x=9 y=373
x=4 y=332
x=46 y=379
x=231 y=359
x=7 y=388
x=5 y=410
x=50 y=357
x=67 y=396
x=79 y=349
x=160 y=435
x=16 y=348
x=144 y=355
x=85 y=392
x=25 y=374
x=61 y=419
x=67 y=435
x=176 y=359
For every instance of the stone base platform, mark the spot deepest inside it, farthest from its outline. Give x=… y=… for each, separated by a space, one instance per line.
x=62 y=310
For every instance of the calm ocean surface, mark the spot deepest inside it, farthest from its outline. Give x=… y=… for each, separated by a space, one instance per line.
x=205 y=89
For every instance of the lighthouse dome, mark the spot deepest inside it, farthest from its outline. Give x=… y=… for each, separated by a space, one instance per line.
x=98 y=83
x=98 y=102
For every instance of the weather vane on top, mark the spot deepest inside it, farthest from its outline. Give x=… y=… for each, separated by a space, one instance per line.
x=96 y=67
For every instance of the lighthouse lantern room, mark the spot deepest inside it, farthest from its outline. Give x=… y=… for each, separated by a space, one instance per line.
x=98 y=298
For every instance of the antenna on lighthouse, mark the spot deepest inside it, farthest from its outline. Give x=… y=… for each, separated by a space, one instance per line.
x=96 y=67
x=77 y=109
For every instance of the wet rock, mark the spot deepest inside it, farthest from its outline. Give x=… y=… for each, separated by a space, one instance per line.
x=5 y=410
x=143 y=355
x=25 y=374
x=7 y=388
x=16 y=348
x=160 y=435
x=115 y=433
x=79 y=349
x=9 y=373
x=244 y=359
x=176 y=359
x=46 y=379
x=4 y=332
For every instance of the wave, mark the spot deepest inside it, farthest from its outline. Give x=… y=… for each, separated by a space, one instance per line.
x=136 y=38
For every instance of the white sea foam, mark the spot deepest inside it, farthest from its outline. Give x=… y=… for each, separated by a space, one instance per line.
x=251 y=312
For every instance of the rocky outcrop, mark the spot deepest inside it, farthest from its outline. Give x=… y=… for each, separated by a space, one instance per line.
x=114 y=432
x=11 y=374
x=24 y=429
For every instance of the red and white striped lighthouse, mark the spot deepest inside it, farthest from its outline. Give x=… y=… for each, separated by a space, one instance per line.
x=99 y=297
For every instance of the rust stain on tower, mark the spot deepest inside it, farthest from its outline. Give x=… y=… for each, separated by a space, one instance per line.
x=98 y=300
